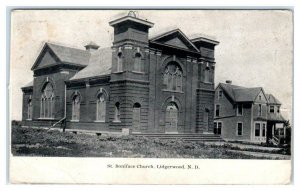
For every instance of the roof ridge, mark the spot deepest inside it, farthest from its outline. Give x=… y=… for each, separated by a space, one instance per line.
x=62 y=45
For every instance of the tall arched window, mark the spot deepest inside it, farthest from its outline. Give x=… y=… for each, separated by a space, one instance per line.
x=119 y=62
x=76 y=108
x=101 y=107
x=208 y=74
x=117 y=112
x=29 y=109
x=171 y=117
x=137 y=63
x=136 y=116
x=47 y=101
x=172 y=78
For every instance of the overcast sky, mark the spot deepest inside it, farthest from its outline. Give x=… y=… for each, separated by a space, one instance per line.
x=256 y=47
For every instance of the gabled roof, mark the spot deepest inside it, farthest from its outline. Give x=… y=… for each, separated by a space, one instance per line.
x=241 y=94
x=272 y=99
x=246 y=94
x=100 y=63
x=171 y=37
x=65 y=55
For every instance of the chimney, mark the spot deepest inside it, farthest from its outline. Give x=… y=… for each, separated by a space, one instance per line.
x=91 y=47
x=228 y=82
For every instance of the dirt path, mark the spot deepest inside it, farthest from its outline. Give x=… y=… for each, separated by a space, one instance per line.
x=259 y=154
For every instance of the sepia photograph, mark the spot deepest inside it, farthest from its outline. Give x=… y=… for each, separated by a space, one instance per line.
x=139 y=85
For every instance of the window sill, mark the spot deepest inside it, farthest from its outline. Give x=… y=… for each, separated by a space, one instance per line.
x=166 y=90
x=28 y=119
x=74 y=120
x=116 y=121
x=46 y=118
x=98 y=121
x=137 y=72
x=120 y=72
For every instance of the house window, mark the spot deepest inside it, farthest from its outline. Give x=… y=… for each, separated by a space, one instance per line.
x=257 y=130
x=172 y=77
x=119 y=62
x=117 y=112
x=240 y=109
x=218 y=128
x=101 y=107
x=76 y=108
x=239 y=129
x=278 y=109
x=217 y=111
x=259 y=110
x=259 y=97
x=220 y=94
x=171 y=117
x=136 y=116
x=29 y=109
x=271 y=109
x=47 y=101
x=137 y=66
x=263 y=130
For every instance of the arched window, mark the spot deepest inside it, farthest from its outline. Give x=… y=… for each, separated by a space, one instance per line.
x=208 y=74
x=119 y=62
x=171 y=117
x=29 y=109
x=137 y=63
x=76 y=108
x=47 y=101
x=101 y=107
x=117 y=112
x=136 y=116
x=172 y=77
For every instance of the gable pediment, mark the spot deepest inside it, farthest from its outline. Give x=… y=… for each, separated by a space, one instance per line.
x=46 y=58
x=175 y=38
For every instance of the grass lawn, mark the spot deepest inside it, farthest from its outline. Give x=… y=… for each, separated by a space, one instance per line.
x=40 y=142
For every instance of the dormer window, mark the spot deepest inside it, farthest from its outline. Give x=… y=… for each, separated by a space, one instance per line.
x=271 y=109
x=259 y=110
x=220 y=94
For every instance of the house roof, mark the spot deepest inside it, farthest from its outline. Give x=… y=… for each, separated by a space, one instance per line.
x=246 y=94
x=70 y=55
x=272 y=99
x=65 y=54
x=275 y=117
x=241 y=94
x=99 y=64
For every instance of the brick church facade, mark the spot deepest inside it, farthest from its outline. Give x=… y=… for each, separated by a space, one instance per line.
x=160 y=85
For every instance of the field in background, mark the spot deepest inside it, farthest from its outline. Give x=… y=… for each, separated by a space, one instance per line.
x=40 y=142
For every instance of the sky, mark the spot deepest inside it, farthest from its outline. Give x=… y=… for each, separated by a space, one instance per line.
x=255 y=50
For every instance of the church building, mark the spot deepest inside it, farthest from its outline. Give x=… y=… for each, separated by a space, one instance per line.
x=163 y=84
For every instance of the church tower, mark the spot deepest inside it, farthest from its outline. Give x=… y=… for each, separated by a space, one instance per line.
x=129 y=85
